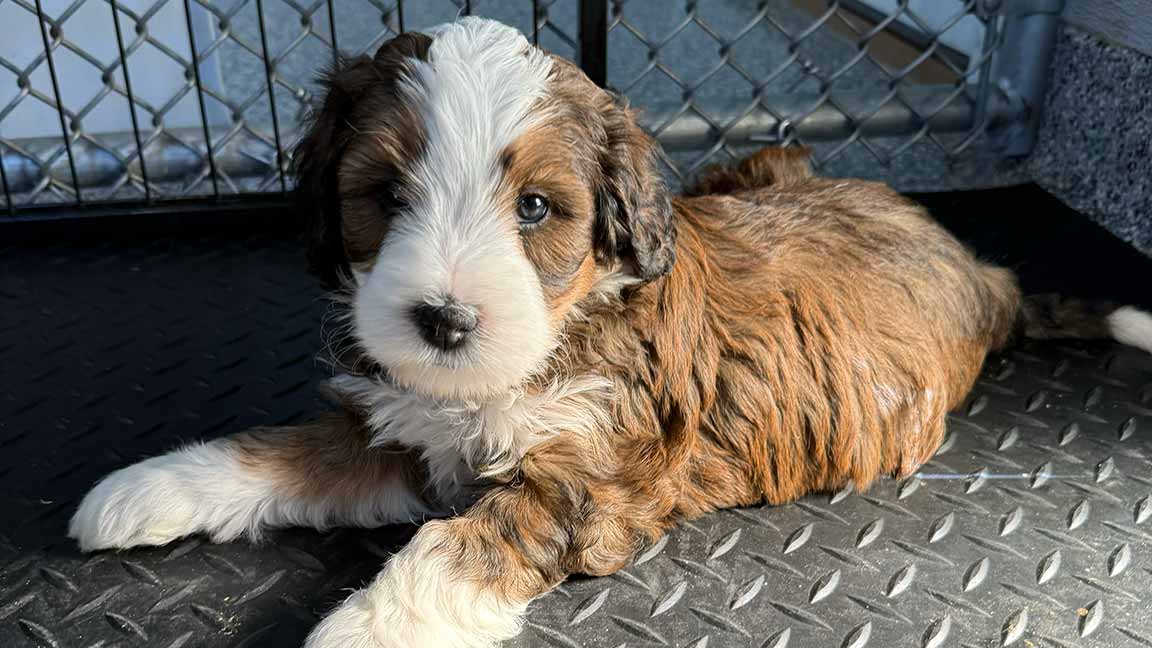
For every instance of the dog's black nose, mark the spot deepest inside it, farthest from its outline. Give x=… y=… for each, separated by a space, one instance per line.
x=445 y=326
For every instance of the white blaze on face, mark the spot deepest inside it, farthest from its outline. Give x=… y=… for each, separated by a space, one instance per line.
x=475 y=92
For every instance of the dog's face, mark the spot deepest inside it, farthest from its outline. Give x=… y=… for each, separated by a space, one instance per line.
x=472 y=190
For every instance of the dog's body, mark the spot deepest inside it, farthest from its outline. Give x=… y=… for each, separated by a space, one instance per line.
x=810 y=333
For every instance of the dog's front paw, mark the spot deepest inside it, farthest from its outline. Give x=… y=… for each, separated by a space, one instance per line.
x=137 y=505
x=164 y=498
x=360 y=623
x=349 y=626
x=422 y=598
x=373 y=619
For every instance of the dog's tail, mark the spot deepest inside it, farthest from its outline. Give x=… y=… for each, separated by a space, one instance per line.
x=765 y=168
x=1050 y=316
x=1011 y=317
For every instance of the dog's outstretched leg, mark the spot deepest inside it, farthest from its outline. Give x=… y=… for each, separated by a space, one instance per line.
x=318 y=474
x=466 y=582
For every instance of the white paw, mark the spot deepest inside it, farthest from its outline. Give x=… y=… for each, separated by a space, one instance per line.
x=164 y=498
x=349 y=626
x=138 y=505
x=421 y=599
x=372 y=619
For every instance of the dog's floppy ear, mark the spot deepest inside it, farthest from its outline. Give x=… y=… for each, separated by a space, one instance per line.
x=315 y=163
x=316 y=159
x=634 y=218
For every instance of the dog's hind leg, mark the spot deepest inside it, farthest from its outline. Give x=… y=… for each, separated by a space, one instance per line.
x=318 y=474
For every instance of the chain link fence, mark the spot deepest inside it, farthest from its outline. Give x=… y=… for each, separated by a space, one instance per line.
x=157 y=102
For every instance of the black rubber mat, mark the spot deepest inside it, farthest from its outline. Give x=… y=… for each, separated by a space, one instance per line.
x=1031 y=527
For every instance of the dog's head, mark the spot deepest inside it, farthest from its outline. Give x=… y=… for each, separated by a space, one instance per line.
x=471 y=190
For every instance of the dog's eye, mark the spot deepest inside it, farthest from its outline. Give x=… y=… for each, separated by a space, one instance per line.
x=389 y=197
x=531 y=208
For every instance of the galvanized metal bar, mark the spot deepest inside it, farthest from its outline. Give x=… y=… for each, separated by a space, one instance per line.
x=200 y=97
x=269 y=70
x=165 y=215
x=536 y=22
x=689 y=131
x=59 y=102
x=984 y=87
x=169 y=160
x=1021 y=68
x=593 y=37
x=400 y=15
x=9 y=199
x=332 y=29
x=131 y=98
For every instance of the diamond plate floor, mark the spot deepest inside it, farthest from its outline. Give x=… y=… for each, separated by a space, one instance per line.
x=1029 y=528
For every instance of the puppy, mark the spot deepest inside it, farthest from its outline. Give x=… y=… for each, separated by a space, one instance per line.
x=543 y=338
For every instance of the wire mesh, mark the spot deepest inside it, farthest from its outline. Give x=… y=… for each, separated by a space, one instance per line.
x=842 y=77
x=150 y=101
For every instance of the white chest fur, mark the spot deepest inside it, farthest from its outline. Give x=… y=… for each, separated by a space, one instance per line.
x=461 y=440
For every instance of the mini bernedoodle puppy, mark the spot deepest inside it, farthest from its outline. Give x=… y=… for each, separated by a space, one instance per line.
x=565 y=358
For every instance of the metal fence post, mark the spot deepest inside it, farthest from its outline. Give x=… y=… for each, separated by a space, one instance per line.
x=593 y=38
x=9 y=199
x=1021 y=70
x=60 y=110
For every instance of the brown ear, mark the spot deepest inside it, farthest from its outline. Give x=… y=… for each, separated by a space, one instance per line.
x=635 y=214
x=316 y=159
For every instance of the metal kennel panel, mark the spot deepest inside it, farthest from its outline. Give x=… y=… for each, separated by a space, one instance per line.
x=872 y=79
x=161 y=102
